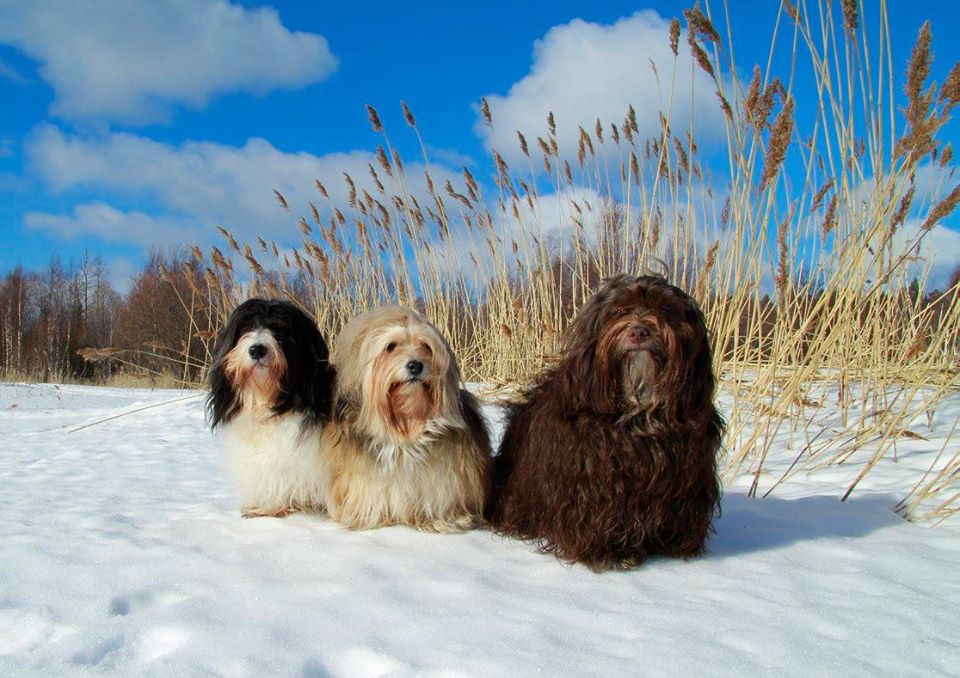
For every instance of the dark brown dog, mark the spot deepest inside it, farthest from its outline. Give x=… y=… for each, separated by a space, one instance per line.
x=611 y=457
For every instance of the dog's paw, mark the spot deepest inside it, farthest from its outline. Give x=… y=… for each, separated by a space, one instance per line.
x=259 y=512
x=613 y=563
x=450 y=525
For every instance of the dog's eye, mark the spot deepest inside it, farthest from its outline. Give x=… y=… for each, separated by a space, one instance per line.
x=427 y=349
x=619 y=312
x=391 y=346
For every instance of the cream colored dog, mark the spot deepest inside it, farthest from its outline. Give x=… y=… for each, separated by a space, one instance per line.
x=405 y=445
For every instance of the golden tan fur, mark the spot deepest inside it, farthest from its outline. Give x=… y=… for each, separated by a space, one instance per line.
x=402 y=448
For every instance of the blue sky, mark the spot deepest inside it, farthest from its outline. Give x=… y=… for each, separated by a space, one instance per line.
x=126 y=125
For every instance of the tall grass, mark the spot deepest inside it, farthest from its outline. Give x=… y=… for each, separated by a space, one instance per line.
x=794 y=237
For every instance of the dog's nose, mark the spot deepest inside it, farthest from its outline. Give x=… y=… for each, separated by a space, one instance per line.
x=639 y=333
x=415 y=367
x=257 y=351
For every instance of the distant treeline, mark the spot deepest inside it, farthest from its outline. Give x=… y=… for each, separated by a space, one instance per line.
x=66 y=322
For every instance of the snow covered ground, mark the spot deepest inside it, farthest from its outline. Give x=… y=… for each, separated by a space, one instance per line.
x=122 y=551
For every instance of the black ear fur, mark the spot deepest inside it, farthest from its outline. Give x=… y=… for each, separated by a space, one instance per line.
x=308 y=383
x=223 y=402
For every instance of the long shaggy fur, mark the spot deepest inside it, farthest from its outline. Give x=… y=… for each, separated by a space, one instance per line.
x=406 y=445
x=611 y=457
x=270 y=393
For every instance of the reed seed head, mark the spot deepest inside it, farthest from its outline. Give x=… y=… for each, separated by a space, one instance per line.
x=407 y=115
x=374 y=119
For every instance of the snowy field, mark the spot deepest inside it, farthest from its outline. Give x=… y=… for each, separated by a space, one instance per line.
x=122 y=552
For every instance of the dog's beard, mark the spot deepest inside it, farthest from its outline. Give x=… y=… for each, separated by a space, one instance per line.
x=404 y=401
x=258 y=382
x=259 y=386
x=629 y=362
x=408 y=406
x=639 y=379
x=264 y=381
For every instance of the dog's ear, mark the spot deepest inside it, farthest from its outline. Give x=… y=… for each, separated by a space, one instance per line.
x=317 y=377
x=698 y=383
x=587 y=324
x=222 y=402
x=320 y=371
x=323 y=385
x=227 y=336
x=301 y=344
x=451 y=378
x=689 y=384
x=345 y=357
x=472 y=416
x=588 y=382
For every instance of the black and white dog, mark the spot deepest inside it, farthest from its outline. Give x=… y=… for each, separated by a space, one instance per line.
x=270 y=393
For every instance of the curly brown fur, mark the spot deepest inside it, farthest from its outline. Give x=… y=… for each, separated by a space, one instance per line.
x=611 y=456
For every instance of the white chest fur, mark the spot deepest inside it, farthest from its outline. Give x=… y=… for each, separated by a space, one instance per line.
x=275 y=462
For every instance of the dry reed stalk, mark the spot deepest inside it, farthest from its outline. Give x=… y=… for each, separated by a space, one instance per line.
x=502 y=276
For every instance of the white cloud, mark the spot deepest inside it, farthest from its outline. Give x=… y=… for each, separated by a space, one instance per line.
x=130 y=61
x=551 y=221
x=194 y=186
x=121 y=272
x=582 y=71
x=939 y=249
x=113 y=225
x=932 y=182
x=449 y=156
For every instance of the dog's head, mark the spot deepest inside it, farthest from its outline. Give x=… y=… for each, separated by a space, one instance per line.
x=397 y=373
x=640 y=344
x=269 y=357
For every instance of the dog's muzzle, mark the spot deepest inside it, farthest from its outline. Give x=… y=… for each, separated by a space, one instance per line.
x=414 y=369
